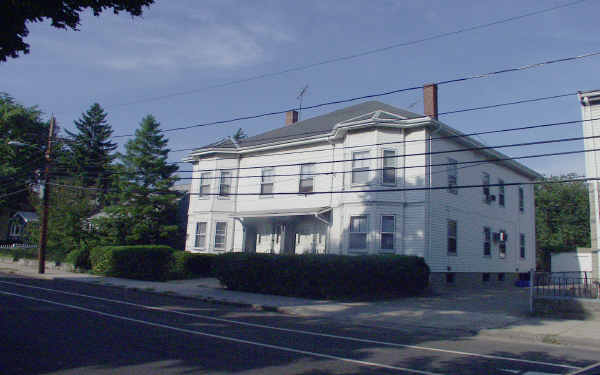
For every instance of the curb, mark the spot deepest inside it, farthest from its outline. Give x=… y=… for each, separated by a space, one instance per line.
x=549 y=339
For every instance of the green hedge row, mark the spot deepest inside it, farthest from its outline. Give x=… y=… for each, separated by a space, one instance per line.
x=20 y=253
x=141 y=262
x=323 y=276
x=186 y=265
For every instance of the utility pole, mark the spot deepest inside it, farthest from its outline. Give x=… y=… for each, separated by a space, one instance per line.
x=45 y=198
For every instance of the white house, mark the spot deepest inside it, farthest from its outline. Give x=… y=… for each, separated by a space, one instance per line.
x=319 y=186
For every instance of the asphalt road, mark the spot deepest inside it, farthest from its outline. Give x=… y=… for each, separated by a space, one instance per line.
x=54 y=326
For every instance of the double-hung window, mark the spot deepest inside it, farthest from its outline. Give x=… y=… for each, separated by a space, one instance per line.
x=389 y=167
x=307 y=178
x=501 y=201
x=266 y=183
x=452 y=176
x=452 y=237
x=220 y=235
x=485 y=182
x=205 y=180
x=502 y=248
x=200 y=240
x=521 y=199
x=522 y=245
x=358 y=232
x=388 y=227
x=360 y=167
x=487 y=241
x=225 y=184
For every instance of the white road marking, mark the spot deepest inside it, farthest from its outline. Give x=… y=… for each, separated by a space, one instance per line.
x=226 y=338
x=291 y=330
x=527 y=372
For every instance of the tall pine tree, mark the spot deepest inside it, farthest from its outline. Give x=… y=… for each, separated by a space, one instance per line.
x=91 y=151
x=145 y=208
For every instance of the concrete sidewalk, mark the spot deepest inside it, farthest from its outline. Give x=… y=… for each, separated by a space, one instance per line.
x=497 y=313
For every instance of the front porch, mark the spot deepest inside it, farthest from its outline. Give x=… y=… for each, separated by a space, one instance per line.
x=301 y=231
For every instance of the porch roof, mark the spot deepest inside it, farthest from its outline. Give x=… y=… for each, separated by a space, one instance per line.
x=282 y=212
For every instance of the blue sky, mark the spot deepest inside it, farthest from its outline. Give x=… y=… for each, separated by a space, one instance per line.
x=188 y=46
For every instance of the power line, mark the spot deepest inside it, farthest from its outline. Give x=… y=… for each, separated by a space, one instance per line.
x=13 y=193
x=369 y=96
x=470 y=162
x=432 y=139
x=387 y=190
x=479 y=148
x=354 y=55
x=440 y=114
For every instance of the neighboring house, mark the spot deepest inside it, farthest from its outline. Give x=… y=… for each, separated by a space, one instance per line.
x=484 y=234
x=590 y=113
x=19 y=225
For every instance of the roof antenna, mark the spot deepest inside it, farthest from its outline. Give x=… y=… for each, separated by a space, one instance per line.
x=301 y=97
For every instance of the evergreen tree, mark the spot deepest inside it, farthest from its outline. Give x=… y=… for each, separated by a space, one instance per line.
x=145 y=208
x=91 y=151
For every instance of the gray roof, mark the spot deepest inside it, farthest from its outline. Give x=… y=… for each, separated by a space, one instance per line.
x=314 y=126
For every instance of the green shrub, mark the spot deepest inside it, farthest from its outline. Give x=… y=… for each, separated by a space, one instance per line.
x=80 y=258
x=323 y=276
x=141 y=262
x=20 y=253
x=187 y=265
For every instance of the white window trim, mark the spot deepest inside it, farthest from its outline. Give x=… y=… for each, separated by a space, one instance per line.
x=488 y=241
x=505 y=243
x=394 y=168
x=205 y=236
x=455 y=252
x=452 y=167
x=501 y=193
x=219 y=196
x=369 y=161
x=310 y=176
x=521 y=200
x=202 y=179
x=224 y=236
x=485 y=181
x=366 y=233
x=262 y=182
x=381 y=233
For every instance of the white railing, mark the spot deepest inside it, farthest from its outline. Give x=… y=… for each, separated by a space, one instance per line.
x=18 y=246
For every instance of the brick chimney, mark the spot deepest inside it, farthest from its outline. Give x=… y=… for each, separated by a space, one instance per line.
x=291 y=117
x=430 y=101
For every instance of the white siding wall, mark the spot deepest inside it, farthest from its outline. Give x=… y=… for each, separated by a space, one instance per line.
x=471 y=213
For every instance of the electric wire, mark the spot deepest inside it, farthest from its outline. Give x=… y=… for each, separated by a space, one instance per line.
x=369 y=96
x=354 y=55
x=439 y=114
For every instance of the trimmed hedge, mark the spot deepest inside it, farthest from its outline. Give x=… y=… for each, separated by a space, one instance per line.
x=79 y=258
x=323 y=276
x=186 y=265
x=20 y=253
x=141 y=262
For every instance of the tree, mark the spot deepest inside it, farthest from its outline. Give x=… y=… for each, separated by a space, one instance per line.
x=69 y=210
x=145 y=207
x=15 y=14
x=562 y=217
x=19 y=164
x=91 y=151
